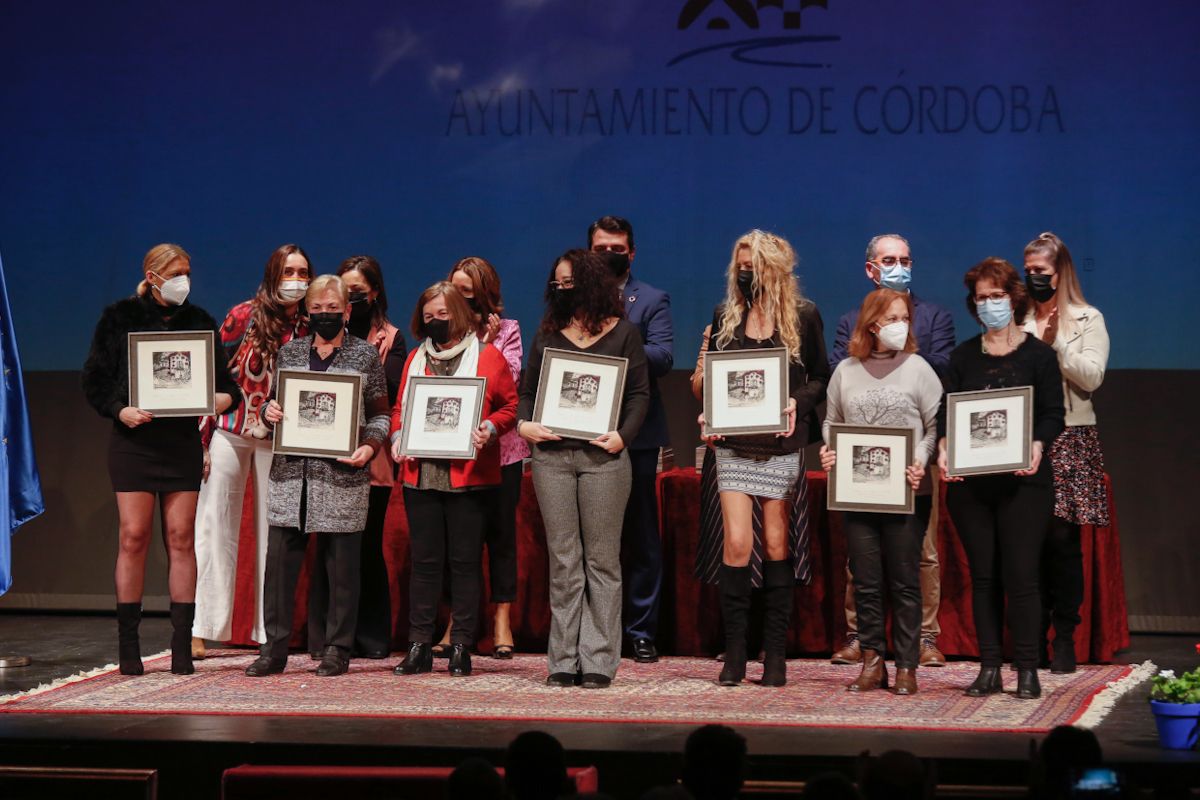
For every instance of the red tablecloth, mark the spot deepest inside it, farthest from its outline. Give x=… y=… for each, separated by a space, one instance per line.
x=690 y=613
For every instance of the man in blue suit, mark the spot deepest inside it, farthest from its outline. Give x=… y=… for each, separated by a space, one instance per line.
x=889 y=265
x=641 y=547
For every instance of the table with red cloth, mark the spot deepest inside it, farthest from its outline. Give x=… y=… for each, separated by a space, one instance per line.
x=690 y=616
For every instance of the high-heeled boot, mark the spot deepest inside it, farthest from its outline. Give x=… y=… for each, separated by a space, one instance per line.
x=735 y=612
x=874 y=673
x=778 y=580
x=129 y=650
x=182 y=616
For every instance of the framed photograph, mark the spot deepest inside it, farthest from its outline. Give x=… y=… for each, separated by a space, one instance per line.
x=579 y=394
x=172 y=373
x=745 y=392
x=989 y=431
x=321 y=413
x=869 y=474
x=440 y=412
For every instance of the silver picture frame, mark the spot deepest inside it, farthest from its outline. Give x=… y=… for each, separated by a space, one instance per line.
x=745 y=392
x=579 y=395
x=322 y=413
x=989 y=431
x=440 y=412
x=173 y=373
x=870 y=471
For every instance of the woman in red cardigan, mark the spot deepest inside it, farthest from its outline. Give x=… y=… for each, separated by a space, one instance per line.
x=448 y=500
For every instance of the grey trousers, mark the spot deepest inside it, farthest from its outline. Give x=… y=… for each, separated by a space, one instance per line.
x=582 y=493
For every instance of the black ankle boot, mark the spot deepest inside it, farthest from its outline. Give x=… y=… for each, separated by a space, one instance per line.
x=1064 y=652
x=987 y=683
x=182 y=616
x=778 y=580
x=419 y=659
x=1028 y=687
x=460 y=660
x=735 y=611
x=129 y=650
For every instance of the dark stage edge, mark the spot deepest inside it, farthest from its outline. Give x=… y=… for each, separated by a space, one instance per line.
x=191 y=751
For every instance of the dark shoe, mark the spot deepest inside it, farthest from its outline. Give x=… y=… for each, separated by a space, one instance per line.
x=441 y=650
x=182 y=616
x=265 y=665
x=594 y=680
x=644 y=651
x=1028 y=687
x=419 y=659
x=906 y=681
x=735 y=611
x=315 y=655
x=778 y=584
x=129 y=649
x=503 y=652
x=374 y=655
x=873 y=676
x=851 y=652
x=460 y=660
x=1063 y=662
x=333 y=663
x=562 y=679
x=930 y=655
x=987 y=682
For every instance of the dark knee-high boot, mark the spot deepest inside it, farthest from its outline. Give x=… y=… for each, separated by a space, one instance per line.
x=735 y=609
x=129 y=650
x=182 y=616
x=778 y=581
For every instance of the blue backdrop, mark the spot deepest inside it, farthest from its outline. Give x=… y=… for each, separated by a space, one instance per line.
x=423 y=132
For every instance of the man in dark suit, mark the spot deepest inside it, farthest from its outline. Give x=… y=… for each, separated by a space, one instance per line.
x=641 y=547
x=889 y=265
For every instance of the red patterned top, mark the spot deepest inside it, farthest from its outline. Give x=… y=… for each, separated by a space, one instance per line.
x=251 y=371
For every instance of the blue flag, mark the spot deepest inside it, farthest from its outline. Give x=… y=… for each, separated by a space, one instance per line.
x=20 y=486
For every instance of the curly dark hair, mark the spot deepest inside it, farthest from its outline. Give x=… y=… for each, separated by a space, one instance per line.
x=1004 y=275
x=594 y=299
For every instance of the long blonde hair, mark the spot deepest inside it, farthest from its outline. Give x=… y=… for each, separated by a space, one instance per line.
x=1069 y=290
x=775 y=289
x=157 y=259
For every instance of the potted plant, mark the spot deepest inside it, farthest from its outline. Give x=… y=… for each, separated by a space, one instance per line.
x=1175 y=701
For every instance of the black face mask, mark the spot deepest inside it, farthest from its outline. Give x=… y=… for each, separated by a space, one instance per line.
x=327 y=324
x=360 y=315
x=745 y=284
x=618 y=263
x=1039 y=287
x=563 y=301
x=438 y=330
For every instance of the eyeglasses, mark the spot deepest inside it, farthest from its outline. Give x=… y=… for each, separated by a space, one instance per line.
x=983 y=298
x=567 y=284
x=609 y=248
x=891 y=261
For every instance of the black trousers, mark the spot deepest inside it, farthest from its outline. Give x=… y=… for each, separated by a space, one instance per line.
x=501 y=534
x=641 y=548
x=1002 y=521
x=338 y=556
x=891 y=544
x=445 y=527
x=1062 y=578
x=373 y=631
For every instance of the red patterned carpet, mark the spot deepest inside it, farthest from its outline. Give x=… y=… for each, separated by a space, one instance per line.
x=676 y=690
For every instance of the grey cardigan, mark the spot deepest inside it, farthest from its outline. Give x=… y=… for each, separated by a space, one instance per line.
x=337 y=494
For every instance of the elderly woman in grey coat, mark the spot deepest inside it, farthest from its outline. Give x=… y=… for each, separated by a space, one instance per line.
x=322 y=496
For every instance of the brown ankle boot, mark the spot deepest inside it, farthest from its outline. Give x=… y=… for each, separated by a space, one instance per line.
x=906 y=681
x=873 y=675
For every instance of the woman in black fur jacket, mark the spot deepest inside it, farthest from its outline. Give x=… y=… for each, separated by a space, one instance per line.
x=149 y=456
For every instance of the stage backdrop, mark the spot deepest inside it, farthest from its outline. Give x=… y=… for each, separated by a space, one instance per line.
x=421 y=132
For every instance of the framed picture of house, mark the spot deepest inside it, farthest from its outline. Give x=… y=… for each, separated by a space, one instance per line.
x=172 y=373
x=989 y=431
x=745 y=392
x=322 y=412
x=440 y=413
x=579 y=394
x=869 y=474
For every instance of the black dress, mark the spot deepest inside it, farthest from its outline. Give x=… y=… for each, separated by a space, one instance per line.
x=163 y=455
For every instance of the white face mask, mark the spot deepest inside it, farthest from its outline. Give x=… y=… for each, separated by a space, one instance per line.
x=174 y=290
x=894 y=336
x=293 y=290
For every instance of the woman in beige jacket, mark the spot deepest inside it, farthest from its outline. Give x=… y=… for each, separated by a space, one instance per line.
x=1063 y=319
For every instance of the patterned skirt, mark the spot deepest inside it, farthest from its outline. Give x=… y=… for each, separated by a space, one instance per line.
x=772 y=478
x=1080 y=495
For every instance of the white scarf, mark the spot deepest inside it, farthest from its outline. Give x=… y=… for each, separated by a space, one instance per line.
x=468 y=348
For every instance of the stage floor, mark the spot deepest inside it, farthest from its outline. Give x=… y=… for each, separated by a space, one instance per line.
x=630 y=757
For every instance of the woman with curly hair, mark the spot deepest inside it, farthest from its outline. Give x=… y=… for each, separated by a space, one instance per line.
x=583 y=486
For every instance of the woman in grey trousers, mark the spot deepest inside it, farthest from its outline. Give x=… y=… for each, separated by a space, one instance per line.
x=582 y=486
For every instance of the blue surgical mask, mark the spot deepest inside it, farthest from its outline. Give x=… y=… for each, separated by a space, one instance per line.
x=896 y=277
x=995 y=313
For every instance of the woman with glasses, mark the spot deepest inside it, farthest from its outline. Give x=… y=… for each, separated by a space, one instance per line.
x=885 y=382
x=1002 y=519
x=582 y=486
x=1062 y=319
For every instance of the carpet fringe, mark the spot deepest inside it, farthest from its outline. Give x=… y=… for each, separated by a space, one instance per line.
x=67 y=681
x=1106 y=699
